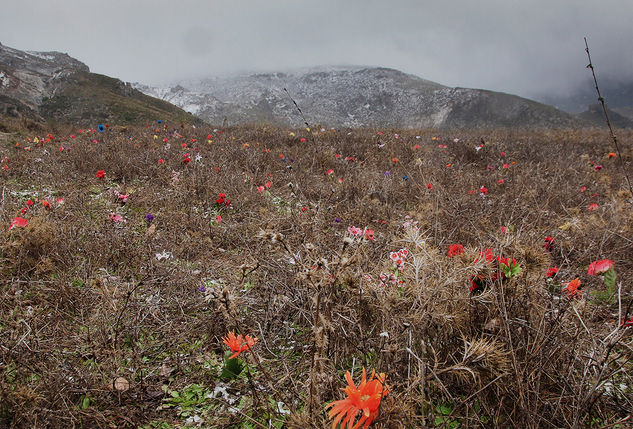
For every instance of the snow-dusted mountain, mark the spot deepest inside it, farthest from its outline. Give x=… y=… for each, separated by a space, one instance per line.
x=28 y=78
x=56 y=87
x=353 y=96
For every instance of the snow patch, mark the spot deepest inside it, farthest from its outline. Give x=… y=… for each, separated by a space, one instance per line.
x=41 y=55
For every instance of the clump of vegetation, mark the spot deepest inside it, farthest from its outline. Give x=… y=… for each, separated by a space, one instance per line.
x=170 y=276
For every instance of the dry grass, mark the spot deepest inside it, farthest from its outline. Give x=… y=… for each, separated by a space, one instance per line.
x=85 y=300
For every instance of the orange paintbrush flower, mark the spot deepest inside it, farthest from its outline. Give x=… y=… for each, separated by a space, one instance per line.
x=572 y=288
x=365 y=399
x=238 y=344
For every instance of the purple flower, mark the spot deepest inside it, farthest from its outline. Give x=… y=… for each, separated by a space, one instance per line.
x=202 y=289
x=387 y=173
x=149 y=217
x=337 y=220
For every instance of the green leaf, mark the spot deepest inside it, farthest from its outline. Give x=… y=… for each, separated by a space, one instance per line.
x=232 y=368
x=609 y=279
x=85 y=402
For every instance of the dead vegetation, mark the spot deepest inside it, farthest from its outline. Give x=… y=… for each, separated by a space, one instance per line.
x=108 y=323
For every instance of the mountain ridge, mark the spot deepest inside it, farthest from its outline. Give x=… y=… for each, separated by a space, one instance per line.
x=53 y=86
x=354 y=96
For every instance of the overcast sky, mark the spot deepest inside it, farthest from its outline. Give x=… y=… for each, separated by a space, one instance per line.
x=522 y=47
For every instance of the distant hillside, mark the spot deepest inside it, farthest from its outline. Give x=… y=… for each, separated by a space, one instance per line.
x=355 y=97
x=618 y=94
x=51 y=86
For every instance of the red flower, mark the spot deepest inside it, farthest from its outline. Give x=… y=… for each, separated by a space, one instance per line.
x=455 y=249
x=429 y=186
x=483 y=190
x=572 y=288
x=549 y=243
x=599 y=267
x=551 y=271
x=101 y=174
x=18 y=222
x=161 y=161
x=369 y=234
x=592 y=207
x=238 y=344
x=364 y=399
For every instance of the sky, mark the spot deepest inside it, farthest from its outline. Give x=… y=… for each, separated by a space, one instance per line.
x=522 y=47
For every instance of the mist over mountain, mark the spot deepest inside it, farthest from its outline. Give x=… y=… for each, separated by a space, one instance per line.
x=353 y=96
x=617 y=92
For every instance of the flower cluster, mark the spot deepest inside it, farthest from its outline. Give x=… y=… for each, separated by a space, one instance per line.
x=409 y=223
x=497 y=268
x=367 y=234
x=391 y=278
x=395 y=276
x=399 y=258
x=364 y=399
x=222 y=200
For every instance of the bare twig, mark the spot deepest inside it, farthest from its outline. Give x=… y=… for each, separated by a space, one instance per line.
x=606 y=117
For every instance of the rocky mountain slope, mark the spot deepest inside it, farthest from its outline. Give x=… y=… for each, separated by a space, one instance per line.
x=51 y=86
x=354 y=97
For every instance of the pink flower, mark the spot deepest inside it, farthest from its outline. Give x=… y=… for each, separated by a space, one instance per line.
x=583 y=189
x=592 y=206
x=355 y=231
x=599 y=267
x=218 y=219
x=500 y=181
x=268 y=184
x=329 y=172
x=598 y=167
x=260 y=189
x=504 y=229
x=116 y=217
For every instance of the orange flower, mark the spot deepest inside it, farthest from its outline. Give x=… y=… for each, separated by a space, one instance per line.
x=572 y=288
x=238 y=344
x=365 y=398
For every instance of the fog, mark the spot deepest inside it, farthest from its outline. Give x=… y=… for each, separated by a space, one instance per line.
x=521 y=47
